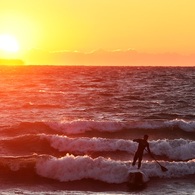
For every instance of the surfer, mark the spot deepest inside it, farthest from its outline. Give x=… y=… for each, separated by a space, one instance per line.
x=143 y=143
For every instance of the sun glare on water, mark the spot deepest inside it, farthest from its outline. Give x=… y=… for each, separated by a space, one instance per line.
x=8 y=43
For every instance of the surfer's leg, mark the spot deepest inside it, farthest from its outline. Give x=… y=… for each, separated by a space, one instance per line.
x=139 y=161
x=135 y=159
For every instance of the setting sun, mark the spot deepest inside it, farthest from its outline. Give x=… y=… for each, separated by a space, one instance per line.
x=124 y=32
x=8 y=43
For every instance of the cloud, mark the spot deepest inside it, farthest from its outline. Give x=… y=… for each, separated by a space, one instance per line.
x=128 y=57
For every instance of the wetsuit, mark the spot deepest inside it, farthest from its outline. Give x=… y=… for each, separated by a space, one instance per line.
x=139 y=153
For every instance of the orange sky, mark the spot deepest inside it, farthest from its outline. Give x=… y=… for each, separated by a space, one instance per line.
x=50 y=31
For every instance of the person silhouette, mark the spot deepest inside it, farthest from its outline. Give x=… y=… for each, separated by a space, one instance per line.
x=143 y=143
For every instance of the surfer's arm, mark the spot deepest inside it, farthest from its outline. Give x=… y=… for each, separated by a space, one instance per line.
x=136 y=140
x=148 y=149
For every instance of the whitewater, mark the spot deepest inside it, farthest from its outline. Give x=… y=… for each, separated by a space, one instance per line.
x=70 y=129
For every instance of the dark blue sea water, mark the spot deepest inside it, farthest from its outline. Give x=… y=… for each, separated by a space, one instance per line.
x=70 y=129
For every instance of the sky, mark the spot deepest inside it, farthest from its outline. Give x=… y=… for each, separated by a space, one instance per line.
x=100 y=32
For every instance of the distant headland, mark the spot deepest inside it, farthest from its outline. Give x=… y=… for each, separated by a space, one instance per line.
x=11 y=62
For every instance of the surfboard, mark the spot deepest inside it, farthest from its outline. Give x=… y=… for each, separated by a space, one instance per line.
x=137 y=180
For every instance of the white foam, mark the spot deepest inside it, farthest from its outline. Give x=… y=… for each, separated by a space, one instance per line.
x=177 y=149
x=78 y=127
x=70 y=168
x=188 y=126
x=175 y=169
x=83 y=144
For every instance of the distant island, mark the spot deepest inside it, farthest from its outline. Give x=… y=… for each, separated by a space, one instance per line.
x=11 y=62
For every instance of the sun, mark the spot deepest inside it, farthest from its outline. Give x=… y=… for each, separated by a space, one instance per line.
x=8 y=43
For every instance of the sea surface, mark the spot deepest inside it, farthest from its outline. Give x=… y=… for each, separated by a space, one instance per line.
x=70 y=129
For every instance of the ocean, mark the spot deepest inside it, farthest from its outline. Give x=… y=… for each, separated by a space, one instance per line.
x=70 y=129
